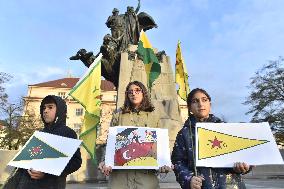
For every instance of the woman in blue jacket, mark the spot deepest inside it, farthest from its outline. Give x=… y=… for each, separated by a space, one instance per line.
x=189 y=177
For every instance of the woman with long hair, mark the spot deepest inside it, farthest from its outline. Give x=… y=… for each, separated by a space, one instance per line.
x=137 y=111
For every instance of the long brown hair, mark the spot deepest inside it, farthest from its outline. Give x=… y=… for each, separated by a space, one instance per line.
x=146 y=104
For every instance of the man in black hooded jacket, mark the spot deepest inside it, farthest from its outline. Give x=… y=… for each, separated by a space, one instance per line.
x=53 y=111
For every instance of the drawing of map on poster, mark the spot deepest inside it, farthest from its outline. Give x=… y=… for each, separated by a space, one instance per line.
x=137 y=148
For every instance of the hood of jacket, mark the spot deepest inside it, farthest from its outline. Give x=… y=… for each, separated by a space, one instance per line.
x=61 y=112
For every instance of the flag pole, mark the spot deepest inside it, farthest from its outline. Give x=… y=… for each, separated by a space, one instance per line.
x=192 y=146
x=189 y=114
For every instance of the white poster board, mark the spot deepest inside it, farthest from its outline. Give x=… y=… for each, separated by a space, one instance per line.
x=223 y=144
x=137 y=148
x=46 y=152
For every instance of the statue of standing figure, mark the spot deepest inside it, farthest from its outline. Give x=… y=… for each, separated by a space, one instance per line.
x=132 y=29
x=125 y=29
x=116 y=24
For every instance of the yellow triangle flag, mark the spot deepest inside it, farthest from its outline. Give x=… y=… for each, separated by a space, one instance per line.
x=181 y=74
x=88 y=89
x=213 y=143
x=89 y=134
x=88 y=92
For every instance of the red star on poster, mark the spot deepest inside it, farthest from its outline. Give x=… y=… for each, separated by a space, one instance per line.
x=35 y=151
x=215 y=143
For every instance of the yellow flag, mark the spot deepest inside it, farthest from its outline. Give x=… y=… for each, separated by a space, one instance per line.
x=87 y=92
x=213 y=143
x=181 y=74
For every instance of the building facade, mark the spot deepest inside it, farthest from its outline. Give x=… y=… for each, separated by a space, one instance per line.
x=75 y=114
x=62 y=87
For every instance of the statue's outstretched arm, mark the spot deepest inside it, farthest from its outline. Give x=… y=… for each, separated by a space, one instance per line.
x=75 y=57
x=138 y=7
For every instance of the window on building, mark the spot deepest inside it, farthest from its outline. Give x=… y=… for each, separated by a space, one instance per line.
x=62 y=95
x=77 y=127
x=79 y=111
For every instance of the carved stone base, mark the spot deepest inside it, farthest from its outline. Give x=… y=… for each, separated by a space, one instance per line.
x=163 y=92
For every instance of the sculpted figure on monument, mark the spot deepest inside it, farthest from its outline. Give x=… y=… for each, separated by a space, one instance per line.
x=111 y=59
x=116 y=24
x=125 y=30
x=131 y=26
x=86 y=57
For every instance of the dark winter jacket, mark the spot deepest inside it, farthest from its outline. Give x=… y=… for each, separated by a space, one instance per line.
x=183 y=156
x=23 y=179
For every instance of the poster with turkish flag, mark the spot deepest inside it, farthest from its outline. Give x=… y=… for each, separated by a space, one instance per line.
x=223 y=144
x=137 y=148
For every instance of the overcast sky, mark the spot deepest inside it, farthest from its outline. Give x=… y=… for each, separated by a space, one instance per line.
x=223 y=42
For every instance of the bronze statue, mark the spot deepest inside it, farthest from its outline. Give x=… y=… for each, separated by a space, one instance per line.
x=125 y=30
x=110 y=59
x=116 y=24
x=131 y=26
x=86 y=57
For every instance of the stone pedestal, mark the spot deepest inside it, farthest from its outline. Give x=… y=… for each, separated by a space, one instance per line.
x=163 y=96
x=88 y=171
x=163 y=92
x=5 y=157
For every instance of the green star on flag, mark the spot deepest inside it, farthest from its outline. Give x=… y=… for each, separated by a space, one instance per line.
x=37 y=149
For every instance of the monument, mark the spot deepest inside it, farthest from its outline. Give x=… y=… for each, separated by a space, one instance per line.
x=121 y=64
x=125 y=29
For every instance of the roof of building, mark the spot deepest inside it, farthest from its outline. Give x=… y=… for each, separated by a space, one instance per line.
x=71 y=82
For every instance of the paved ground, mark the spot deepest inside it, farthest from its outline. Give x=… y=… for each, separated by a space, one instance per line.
x=264 y=183
x=250 y=183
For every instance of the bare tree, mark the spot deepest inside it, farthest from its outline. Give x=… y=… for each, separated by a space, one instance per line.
x=267 y=97
x=4 y=77
x=11 y=113
x=17 y=127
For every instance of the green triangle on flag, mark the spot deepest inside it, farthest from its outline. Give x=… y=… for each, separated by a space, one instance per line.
x=37 y=149
x=150 y=60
